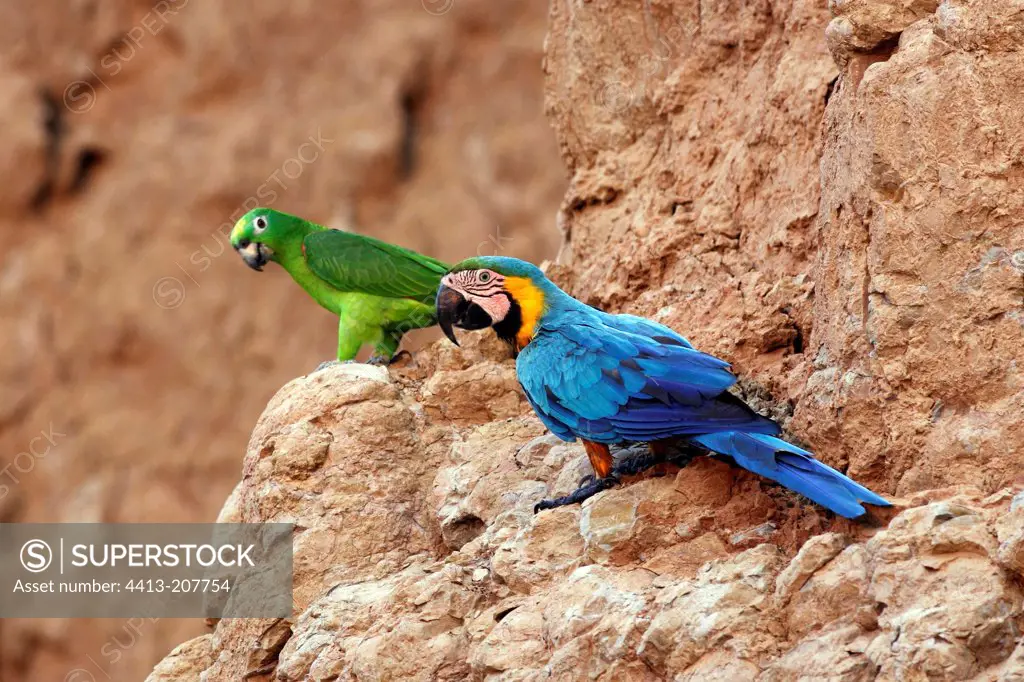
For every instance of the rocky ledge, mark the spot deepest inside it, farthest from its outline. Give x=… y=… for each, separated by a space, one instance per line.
x=418 y=555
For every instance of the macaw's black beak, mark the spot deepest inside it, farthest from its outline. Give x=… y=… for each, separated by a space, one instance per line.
x=451 y=306
x=453 y=310
x=254 y=255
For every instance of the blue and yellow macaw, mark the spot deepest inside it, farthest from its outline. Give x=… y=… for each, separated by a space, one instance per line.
x=609 y=379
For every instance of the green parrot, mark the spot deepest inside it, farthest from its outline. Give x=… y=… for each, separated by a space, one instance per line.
x=378 y=290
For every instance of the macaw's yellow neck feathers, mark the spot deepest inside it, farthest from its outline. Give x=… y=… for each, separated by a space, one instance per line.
x=531 y=306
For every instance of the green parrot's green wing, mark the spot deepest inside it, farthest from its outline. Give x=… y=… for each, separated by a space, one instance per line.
x=352 y=262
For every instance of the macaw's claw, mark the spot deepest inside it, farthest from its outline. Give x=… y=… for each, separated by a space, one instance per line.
x=378 y=360
x=589 y=478
x=635 y=464
x=576 y=497
x=683 y=459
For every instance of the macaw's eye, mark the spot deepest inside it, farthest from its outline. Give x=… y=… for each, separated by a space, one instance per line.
x=260 y=223
x=485 y=277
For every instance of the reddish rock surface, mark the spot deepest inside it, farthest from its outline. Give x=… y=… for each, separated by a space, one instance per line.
x=919 y=291
x=422 y=558
x=864 y=262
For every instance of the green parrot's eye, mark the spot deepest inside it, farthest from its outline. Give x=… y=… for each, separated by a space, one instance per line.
x=260 y=223
x=485 y=276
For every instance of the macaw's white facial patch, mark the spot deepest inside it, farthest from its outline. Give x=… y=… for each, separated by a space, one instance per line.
x=496 y=306
x=486 y=288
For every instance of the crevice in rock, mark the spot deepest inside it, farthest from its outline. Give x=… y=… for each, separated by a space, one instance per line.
x=887 y=48
x=89 y=160
x=53 y=128
x=798 y=340
x=266 y=654
x=882 y=52
x=603 y=196
x=411 y=105
x=830 y=89
x=261 y=673
x=464 y=530
x=865 y=302
x=684 y=206
x=500 y=615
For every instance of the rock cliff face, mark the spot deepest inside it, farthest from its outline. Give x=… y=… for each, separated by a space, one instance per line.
x=418 y=555
x=864 y=261
x=919 y=297
x=829 y=200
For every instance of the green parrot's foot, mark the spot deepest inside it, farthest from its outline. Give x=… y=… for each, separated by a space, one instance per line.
x=582 y=493
x=378 y=360
x=330 y=363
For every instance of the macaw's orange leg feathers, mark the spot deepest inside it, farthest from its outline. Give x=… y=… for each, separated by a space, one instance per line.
x=600 y=458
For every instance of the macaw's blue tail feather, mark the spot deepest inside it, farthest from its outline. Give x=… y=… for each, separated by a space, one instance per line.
x=794 y=468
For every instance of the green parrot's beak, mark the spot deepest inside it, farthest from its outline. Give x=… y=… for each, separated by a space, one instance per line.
x=255 y=255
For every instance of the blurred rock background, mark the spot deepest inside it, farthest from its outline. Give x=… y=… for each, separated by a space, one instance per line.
x=134 y=134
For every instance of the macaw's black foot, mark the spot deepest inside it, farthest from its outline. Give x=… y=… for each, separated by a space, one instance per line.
x=589 y=478
x=576 y=497
x=378 y=360
x=686 y=454
x=636 y=464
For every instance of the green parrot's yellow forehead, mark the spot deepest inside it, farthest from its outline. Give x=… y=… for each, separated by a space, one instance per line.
x=245 y=221
x=250 y=217
x=236 y=231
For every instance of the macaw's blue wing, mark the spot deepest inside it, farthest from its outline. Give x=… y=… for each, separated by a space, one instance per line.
x=610 y=379
x=611 y=384
x=794 y=468
x=655 y=331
